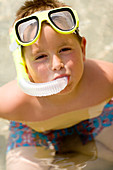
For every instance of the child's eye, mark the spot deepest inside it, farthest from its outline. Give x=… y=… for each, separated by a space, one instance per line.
x=41 y=57
x=65 y=49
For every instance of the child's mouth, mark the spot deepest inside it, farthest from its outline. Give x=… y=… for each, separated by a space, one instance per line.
x=62 y=76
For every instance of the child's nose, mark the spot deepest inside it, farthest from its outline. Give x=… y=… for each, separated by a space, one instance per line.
x=57 y=63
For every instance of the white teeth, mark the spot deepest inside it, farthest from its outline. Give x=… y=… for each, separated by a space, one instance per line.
x=43 y=89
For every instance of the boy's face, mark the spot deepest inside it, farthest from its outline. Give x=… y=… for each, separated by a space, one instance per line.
x=55 y=55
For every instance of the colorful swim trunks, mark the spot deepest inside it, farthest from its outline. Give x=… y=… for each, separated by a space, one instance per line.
x=22 y=135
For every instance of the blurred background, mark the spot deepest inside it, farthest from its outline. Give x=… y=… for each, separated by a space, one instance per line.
x=96 y=24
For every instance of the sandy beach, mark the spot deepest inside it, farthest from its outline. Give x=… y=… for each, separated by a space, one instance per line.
x=96 y=23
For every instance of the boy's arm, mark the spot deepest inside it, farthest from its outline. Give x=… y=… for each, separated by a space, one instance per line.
x=12 y=101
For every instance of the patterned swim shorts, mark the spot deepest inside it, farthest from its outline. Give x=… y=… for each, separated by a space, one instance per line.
x=22 y=135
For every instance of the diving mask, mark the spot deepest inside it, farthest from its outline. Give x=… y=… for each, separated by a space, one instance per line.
x=63 y=20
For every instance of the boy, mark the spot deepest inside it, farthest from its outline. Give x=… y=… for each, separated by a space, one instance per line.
x=53 y=56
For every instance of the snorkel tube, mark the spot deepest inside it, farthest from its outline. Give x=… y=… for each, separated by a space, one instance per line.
x=30 y=88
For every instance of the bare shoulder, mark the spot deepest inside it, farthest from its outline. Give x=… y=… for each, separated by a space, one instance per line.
x=11 y=99
x=98 y=77
x=101 y=69
x=101 y=65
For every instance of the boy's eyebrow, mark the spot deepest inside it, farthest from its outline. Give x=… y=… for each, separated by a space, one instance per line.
x=36 y=50
x=40 y=49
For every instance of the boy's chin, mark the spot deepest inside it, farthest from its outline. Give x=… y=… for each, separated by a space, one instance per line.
x=66 y=91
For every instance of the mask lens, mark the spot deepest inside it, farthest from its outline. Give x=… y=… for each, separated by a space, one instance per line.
x=27 y=30
x=63 y=20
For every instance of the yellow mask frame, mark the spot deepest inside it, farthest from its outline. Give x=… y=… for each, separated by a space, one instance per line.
x=66 y=13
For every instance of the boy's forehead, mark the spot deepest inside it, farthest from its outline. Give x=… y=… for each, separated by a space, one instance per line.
x=49 y=35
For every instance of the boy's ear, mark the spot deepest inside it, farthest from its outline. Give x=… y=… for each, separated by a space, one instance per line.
x=83 y=47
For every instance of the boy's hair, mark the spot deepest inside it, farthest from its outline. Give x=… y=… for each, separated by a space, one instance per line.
x=31 y=6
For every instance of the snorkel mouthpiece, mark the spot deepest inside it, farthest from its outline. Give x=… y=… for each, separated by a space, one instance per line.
x=30 y=88
x=43 y=89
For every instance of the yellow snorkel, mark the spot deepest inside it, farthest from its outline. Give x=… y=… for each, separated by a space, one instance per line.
x=30 y=88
